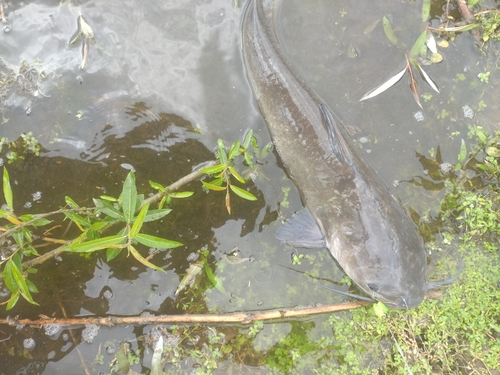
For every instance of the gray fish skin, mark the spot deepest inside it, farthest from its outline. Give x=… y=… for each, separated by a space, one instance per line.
x=369 y=234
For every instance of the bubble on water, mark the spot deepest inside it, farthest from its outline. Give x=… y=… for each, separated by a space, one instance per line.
x=468 y=112
x=37 y=196
x=52 y=329
x=364 y=140
x=90 y=332
x=419 y=116
x=7 y=29
x=446 y=168
x=28 y=205
x=65 y=337
x=108 y=294
x=29 y=344
x=110 y=349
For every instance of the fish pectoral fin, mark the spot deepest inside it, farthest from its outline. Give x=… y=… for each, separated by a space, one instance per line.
x=301 y=231
x=337 y=141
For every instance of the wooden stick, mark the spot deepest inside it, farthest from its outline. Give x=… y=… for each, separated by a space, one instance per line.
x=229 y=318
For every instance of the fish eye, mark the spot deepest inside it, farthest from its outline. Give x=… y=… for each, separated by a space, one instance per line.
x=373 y=287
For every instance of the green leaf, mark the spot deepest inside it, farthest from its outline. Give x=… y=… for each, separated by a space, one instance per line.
x=142 y=260
x=21 y=283
x=242 y=193
x=112 y=253
x=211 y=186
x=221 y=152
x=70 y=202
x=156 y=186
x=139 y=220
x=40 y=222
x=31 y=287
x=84 y=222
x=157 y=242
x=13 y=300
x=154 y=215
x=213 y=170
x=234 y=151
x=213 y=279
x=463 y=152
x=248 y=159
x=9 y=278
x=389 y=32
x=248 y=139
x=236 y=175
x=94 y=245
x=481 y=135
x=181 y=194
x=108 y=209
x=426 y=9
x=415 y=50
x=108 y=198
x=7 y=191
x=129 y=197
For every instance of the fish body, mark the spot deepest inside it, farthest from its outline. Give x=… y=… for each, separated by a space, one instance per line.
x=350 y=210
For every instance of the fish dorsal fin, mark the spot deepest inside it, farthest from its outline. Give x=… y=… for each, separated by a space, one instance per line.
x=337 y=141
x=301 y=231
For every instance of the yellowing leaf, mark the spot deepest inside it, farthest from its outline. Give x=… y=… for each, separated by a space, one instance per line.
x=193 y=270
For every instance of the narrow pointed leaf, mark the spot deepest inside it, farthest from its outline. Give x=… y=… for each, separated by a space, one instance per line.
x=213 y=279
x=463 y=152
x=157 y=242
x=234 y=150
x=213 y=170
x=7 y=191
x=389 y=32
x=243 y=193
x=13 y=300
x=181 y=194
x=156 y=186
x=70 y=202
x=415 y=50
x=143 y=260
x=426 y=9
x=210 y=186
x=221 y=152
x=19 y=280
x=108 y=209
x=248 y=138
x=460 y=28
x=9 y=278
x=236 y=175
x=112 y=253
x=384 y=86
x=425 y=76
x=193 y=270
x=431 y=42
x=139 y=220
x=129 y=197
x=94 y=245
x=154 y=215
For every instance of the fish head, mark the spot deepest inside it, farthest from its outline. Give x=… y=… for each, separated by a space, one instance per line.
x=385 y=256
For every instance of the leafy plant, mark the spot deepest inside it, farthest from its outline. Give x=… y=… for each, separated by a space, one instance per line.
x=113 y=224
x=225 y=170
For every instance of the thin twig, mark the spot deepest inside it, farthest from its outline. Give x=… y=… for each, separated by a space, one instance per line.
x=229 y=318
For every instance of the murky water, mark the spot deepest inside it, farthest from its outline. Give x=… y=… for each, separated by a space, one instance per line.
x=164 y=81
